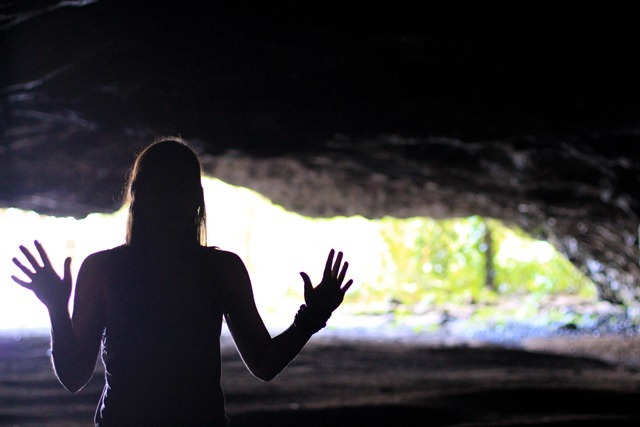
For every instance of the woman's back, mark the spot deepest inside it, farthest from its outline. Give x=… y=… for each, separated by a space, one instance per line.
x=161 y=344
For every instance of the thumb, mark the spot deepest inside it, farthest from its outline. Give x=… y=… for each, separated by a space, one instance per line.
x=67 y=270
x=308 y=287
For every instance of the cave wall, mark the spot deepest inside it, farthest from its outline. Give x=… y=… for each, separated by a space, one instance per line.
x=583 y=198
x=518 y=112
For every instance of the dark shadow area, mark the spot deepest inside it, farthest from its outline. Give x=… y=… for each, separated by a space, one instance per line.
x=411 y=416
x=351 y=383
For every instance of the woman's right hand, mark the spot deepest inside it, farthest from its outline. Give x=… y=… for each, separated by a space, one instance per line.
x=329 y=294
x=53 y=291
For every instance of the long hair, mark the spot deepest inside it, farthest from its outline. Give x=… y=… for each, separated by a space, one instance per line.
x=164 y=157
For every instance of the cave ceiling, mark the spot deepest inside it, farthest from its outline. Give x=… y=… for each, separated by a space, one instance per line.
x=518 y=111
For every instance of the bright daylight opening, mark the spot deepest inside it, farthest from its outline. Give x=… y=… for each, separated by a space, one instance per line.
x=410 y=273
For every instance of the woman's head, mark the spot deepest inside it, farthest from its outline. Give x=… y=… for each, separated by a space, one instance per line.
x=164 y=191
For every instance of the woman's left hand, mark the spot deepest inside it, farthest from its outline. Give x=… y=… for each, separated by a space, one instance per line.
x=51 y=289
x=329 y=294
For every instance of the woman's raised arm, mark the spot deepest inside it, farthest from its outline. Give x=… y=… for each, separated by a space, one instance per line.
x=74 y=343
x=266 y=357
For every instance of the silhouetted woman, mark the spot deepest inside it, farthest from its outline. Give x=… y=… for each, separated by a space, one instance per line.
x=155 y=305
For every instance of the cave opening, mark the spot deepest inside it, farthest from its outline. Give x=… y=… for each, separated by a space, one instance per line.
x=414 y=275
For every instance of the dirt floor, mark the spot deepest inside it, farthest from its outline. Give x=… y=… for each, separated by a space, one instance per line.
x=339 y=381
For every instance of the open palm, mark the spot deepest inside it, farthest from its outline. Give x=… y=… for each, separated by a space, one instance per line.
x=45 y=283
x=329 y=294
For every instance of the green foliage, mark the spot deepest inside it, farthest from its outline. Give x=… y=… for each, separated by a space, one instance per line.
x=470 y=261
x=525 y=265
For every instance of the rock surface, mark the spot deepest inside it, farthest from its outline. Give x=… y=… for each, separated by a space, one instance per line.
x=523 y=113
x=336 y=382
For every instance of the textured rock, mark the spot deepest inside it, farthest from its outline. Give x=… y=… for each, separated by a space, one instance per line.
x=514 y=112
x=583 y=200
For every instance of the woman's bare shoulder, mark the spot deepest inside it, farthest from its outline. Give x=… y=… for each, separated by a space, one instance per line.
x=214 y=253
x=227 y=264
x=104 y=259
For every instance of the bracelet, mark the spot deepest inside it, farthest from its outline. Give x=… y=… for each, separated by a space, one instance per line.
x=310 y=321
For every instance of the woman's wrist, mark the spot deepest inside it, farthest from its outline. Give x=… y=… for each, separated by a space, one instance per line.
x=57 y=311
x=310 y=320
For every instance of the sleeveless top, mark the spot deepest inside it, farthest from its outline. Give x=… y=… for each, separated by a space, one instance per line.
x=161 y=344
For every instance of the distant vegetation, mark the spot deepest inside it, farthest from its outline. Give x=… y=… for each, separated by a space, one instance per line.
x=497 y=270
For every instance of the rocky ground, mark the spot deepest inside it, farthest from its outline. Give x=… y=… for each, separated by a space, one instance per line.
x=342 y=380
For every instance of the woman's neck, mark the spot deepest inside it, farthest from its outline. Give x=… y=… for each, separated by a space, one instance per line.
x=164 y=242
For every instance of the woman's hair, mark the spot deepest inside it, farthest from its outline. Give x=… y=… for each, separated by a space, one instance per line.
x=167 y=156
